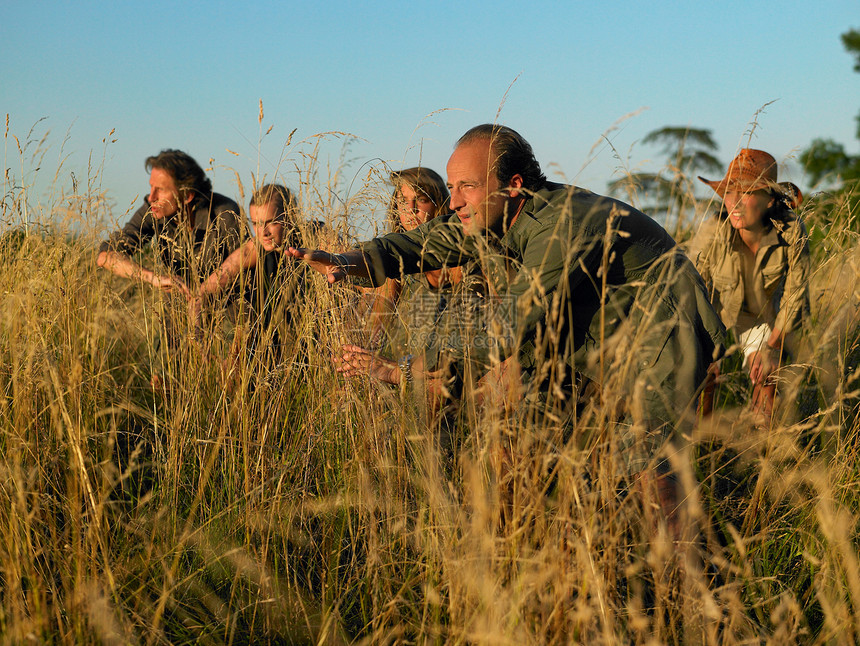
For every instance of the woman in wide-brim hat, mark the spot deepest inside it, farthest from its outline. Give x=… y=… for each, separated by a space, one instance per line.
x=754 y=257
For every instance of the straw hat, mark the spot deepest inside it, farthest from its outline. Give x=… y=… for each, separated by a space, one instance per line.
x=752 y=170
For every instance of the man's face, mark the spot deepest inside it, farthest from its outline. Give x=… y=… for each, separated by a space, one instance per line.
x=268 y=228
x=163 y=194
x=475 y=190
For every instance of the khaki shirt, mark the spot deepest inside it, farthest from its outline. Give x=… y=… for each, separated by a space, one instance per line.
x=774 y=289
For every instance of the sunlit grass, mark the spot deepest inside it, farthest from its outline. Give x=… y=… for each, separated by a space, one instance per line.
x=300 y=507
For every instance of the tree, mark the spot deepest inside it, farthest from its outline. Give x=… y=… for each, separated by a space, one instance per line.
x=670 y=193
x=827 y=159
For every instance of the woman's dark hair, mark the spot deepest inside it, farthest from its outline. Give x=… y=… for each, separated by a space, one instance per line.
x=186 y=172
x=279 y=197
x=786 y=198
x=513 y=154
x=424 y=182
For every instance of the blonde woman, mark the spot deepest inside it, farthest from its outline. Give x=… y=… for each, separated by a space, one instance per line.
x=272 y=281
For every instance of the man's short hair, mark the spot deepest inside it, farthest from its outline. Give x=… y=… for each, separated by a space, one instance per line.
x=513 y=154
x=186 y=173
x=279 y=197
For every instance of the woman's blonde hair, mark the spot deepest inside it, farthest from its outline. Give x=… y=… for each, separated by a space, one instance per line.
x=279 y=197
x=423 y=181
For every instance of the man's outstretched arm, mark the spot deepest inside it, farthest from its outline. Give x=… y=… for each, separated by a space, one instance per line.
x=115 y=253
x=336 y=266
x=121 y=265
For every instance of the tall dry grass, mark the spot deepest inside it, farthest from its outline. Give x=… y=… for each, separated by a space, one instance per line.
x=298 y=507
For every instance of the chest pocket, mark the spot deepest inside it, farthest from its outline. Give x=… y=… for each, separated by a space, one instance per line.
x=723 y=283
x=772 y=279
x=725 y=276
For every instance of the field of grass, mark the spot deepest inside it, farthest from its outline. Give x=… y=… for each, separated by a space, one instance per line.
x=299 y=507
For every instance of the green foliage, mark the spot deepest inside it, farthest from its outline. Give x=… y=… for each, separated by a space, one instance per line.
x=851 y=42
x=826 y=159
x=668 y=194
x=690 y=148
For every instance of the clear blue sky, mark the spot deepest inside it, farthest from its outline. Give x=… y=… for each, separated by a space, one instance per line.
x=408 y=78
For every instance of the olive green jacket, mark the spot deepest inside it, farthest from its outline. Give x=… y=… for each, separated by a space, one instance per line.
x=781 y=272
x=582 y=280
x=431 y=320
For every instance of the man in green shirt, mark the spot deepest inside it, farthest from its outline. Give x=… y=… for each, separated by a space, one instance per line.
x=590 y=285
